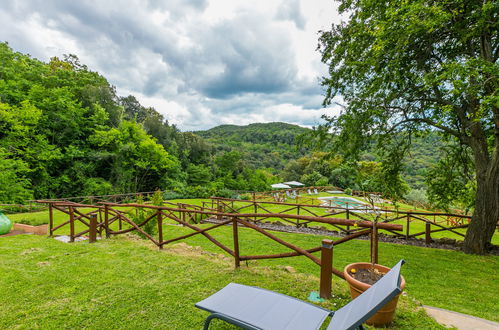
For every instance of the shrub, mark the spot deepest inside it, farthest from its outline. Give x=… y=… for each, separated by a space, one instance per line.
x=138 y=215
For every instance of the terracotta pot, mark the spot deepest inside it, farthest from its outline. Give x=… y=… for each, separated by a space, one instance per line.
x=385 y=315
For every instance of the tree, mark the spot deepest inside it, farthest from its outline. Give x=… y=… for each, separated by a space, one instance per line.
x=133 y=160
x=420 y=66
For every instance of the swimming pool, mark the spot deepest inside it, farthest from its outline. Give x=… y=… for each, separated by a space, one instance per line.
x=346 y=203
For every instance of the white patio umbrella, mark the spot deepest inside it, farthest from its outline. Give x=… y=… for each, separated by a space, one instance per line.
x=294 y=183
x=280 y=186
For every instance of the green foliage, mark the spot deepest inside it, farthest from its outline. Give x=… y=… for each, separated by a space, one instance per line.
x=132 y=159
x=408 y=68
x=269 y=145
x=66 y=134
x=313 y=179
x=97 y=187
x=450 y=183
x=417 y=196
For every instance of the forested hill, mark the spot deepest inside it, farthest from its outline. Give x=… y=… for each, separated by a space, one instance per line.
x=257 y=133
x=65 y=132
x=267 y=145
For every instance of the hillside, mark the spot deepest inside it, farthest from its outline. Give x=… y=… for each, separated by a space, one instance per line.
x=273 y=145
x=264 y=145
x=256 y=133
x=65 y=132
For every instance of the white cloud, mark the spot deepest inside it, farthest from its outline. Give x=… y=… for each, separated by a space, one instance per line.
x=200 y=63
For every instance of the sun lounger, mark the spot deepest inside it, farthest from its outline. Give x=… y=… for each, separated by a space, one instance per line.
x=251 y=307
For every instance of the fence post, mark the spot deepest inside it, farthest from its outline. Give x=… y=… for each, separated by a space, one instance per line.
x=219 y=209
x=160 y=228
x=407 y=227
x=374 y=244
x=428 y=233
x=106 y=220
x=51 y=220
x=92 y=230
x=182 y=206
x=255 y=208
x=297 y=213
x=326 y=268
x=99 y=226
x=71 y=225
x=348 y=218
x=235 y=236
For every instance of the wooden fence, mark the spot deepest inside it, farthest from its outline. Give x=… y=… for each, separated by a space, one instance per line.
x=115 y=219
x=433 y=222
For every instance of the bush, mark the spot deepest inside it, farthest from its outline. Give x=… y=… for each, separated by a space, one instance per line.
x=226 y=193
x=168 y=195
x=348 y=191
x=417 y=195
x=140 y=214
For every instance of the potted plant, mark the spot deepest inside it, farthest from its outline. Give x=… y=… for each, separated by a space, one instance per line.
x=357 y=274
x=361 y=275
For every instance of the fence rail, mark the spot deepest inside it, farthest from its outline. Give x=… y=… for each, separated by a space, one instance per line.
x=434 y=222
x=114 y=219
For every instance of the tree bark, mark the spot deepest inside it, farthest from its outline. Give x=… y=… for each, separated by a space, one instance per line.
x=486 y=214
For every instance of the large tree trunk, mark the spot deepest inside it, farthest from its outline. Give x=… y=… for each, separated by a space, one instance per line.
x=486 y=214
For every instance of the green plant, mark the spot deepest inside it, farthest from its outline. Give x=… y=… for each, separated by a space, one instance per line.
x=138 y=216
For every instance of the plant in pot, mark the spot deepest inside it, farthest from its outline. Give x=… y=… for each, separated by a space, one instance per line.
x=361 y=275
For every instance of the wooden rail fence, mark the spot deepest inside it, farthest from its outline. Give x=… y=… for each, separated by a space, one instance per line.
x=434 y=222
x=115 y=219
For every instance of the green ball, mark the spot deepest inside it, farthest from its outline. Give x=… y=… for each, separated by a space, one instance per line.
x=5 y=224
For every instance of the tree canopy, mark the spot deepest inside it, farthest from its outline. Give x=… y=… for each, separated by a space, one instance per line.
x=407 y=68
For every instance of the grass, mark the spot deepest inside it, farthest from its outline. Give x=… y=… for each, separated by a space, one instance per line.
x=441 y=278
x=123 y=283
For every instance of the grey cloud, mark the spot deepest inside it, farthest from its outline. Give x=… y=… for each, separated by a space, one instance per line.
x=251 y=60
x=239 y=66
x=290 y=10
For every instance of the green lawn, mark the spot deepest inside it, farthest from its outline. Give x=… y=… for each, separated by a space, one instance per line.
x=440 y=278
x=124 y=283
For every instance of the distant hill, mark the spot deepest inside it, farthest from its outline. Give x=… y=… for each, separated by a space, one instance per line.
x=268 y=145
x=273 y=145
x=255 y=133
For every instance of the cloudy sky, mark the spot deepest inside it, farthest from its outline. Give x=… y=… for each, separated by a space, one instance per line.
x=201 y=63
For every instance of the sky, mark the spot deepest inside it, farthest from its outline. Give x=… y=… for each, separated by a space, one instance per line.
x=200 y=63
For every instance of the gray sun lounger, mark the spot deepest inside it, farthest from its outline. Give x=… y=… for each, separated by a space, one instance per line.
x=251 y=307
